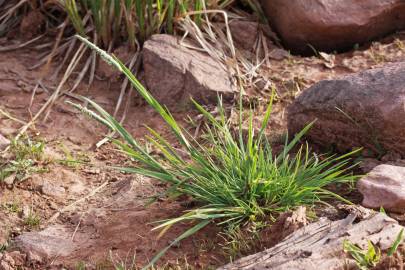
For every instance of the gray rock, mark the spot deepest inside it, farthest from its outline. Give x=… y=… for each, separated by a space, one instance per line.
x=384 y=187
x=53 y=190
x=366 y=109
x=47 y=244
x=329 y=25
x=9 y=180
x=174 y=73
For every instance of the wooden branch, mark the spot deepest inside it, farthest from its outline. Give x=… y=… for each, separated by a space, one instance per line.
x=320 y=245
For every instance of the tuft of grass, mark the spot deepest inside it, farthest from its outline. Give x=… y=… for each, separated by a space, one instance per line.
x=398 y=240
x=133 y=20
x=3 y=247
x=234 y=180
x=32 y=221
x=239 y=242
x=26 y=148
x=13 y=207
x=364 y=258
x=24 y=158
x=72 y=160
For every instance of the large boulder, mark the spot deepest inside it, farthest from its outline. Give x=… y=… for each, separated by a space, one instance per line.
x=174 y=73
x=366 y=109
x=329 y=25
x=384 y=187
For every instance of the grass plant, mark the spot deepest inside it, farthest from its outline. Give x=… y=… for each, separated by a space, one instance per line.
x=133 y=20
x=25 y=156
x=234 y=180
x=32 y=221
x=370 y=257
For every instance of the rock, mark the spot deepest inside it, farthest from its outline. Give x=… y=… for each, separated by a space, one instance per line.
x=320 y=245
x=18 y=258
x=329 y=25
x=279 y=54
x=44 y=245
x=368 y=164
x=7 y=262
x=360 y=110
x=4 y=142
x=244 y=33
x=34 y=258
x=9 y=180
x=174 y=73
x=5 y=266
x=64 y=182
x=285 y=224
x=26 y=212
x=384 y=187
x=52 y=190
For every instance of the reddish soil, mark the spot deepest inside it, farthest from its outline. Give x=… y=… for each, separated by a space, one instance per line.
x=114 y=219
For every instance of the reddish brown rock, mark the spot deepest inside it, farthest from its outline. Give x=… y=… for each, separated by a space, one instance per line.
x=366 y=109
x=174 y=73
x=384 y=187
x=330 y=25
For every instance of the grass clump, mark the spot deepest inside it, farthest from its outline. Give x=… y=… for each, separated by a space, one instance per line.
x=370 y=257
x=32 y=221
x=234 y=180
x=22 y=159
x=133 y=20
x=13 y=207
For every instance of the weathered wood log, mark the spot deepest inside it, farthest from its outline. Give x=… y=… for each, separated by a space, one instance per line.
x=320 y=245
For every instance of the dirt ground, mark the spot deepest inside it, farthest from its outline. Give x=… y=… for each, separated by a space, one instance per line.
x=95 y=216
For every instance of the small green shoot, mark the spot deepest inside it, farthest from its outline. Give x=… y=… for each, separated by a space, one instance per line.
x=364 y=258
x=72 y=160
x=397 y=242
x=3 y=247
x=80 y=266
x=382 y=210
x=24 y=158
x=13 y=207
x=32 y=221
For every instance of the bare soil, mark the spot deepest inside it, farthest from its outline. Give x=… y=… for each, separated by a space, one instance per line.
x=88 y=211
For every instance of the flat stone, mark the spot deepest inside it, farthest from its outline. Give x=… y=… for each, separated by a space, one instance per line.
x=384 y=187
x=53 y=190
x=47 y=244
x=174 y=73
